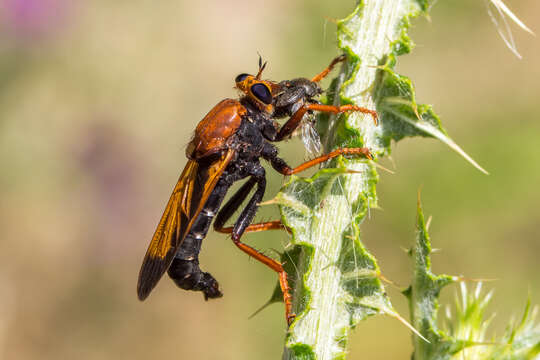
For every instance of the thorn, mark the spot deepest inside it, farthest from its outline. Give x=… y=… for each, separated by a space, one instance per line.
x=388 y=281
x=377 y=66
x=406 y=323
x=379 y=166
x=465 y=279
x=264 y=306
x=276 y=252
x=327 y=18
x=269 y=202
x=428 y=223
x=392 y=161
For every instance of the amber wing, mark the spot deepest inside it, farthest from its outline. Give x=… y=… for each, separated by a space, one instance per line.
x=187 y=200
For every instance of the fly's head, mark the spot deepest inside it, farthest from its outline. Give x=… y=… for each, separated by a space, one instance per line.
x=259 y=92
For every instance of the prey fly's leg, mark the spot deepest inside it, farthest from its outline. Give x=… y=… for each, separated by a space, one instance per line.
x=326 y=71
x=242 y=225
x=184 y=269
x=291 y=124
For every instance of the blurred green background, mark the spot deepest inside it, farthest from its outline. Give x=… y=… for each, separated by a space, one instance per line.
x=98 y=100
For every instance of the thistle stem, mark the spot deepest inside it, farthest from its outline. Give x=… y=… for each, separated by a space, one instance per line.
x=337 y=283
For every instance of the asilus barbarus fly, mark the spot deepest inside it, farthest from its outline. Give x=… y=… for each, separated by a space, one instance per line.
x=227 y=147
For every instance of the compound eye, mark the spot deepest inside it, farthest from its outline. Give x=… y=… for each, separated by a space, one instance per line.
x=241 y=77
x=261 y=92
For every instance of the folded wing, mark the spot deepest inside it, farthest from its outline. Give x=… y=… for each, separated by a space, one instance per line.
x=187 y=200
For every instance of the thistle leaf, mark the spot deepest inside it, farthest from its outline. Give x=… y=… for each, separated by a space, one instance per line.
x=464 y=333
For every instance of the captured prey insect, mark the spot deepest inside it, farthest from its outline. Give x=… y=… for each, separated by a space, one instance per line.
x=295 y=99
x=227 y=147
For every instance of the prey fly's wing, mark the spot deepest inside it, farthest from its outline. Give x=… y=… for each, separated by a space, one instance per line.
x=187 y=200
x=310 y=136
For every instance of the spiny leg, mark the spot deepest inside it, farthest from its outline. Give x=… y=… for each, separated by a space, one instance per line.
x=281 y=166
x=344 y=108
x=269 y=225
x=242 y=225
x=234 y=203
x=291 y=124
x=326 y=71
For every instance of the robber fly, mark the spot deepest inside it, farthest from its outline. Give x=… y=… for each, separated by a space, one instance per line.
x=227 y=147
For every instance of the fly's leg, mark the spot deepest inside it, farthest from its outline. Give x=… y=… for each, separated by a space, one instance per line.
x=291 y=124
x=243 y=224
x=281 y=166
x=326 y=71
x=233 y=204
x=269 y=225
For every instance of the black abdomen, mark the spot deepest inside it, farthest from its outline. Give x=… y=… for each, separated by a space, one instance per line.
x=184 y=269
